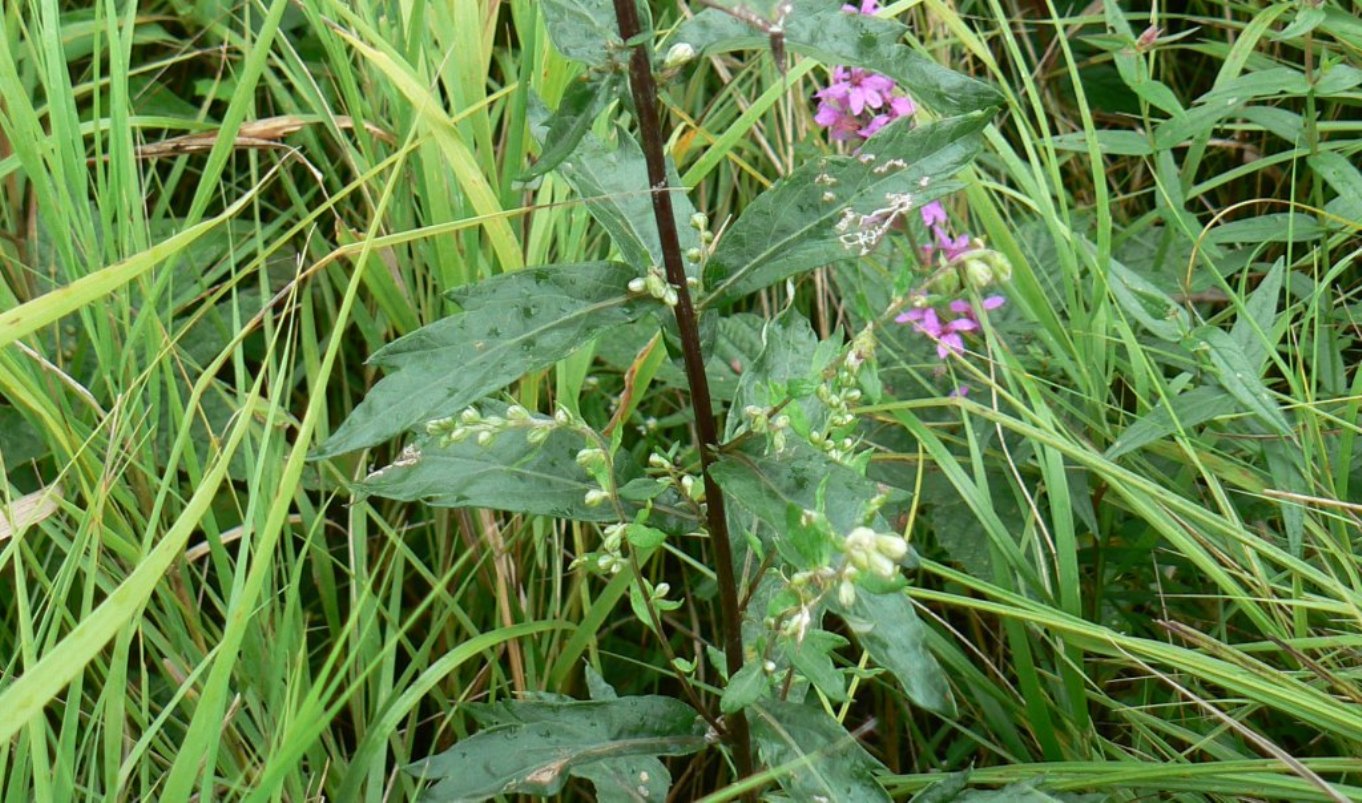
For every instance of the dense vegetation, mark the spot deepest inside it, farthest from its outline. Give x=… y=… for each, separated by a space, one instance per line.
x=1101 y=383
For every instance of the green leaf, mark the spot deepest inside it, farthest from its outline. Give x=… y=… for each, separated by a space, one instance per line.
x=1307 y=19
x=1188 y=409
x=637 y=779
x=812 y=656
x=789 y=347
x=531 y=747
x=887 y=627
x=1110 y=143
x=1278 y=227
x=508 y=474
x=613 y=183
x=816 y=758
x=1239 y=377
x=1255 y=328
x=746 y=687
x=1343 y=177
x=583 y=30
x=581 y=103
x=511 y=324
x=821 y=30
x=767 y=485
x=1146 y=303
x=793 y=227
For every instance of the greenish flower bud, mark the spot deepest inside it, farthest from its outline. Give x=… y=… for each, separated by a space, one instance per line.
x=846 y=593
x=679 y=54
x=470 y=416
x=596 y=497
x=699 y=222
x=591 y=459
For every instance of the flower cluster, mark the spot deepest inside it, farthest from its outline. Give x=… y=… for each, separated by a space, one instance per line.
x=859 y=102
x=484 y=429
x=946 y=331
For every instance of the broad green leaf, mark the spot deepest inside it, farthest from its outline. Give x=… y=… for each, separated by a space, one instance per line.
x=945 y=790
x=766 y=485
x=747 y=686
x=531 y=747
x=1239 y=377
x=788 y=349
x=507 y=474
x=634 y=779
x=812 y=656
x=887 y=627
x=1146 y=303
x=583 y=30
x=578 y=109
x=511 y=324
x=821 y=30
x=816 y=758
x=794 y=226
x=613 y=182
x=1188 y=410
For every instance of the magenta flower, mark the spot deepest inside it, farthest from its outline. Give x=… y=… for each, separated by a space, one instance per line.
x=841 y=124
x=867 y=7
x=933 y=214
x=857 y=89
x=946 y=334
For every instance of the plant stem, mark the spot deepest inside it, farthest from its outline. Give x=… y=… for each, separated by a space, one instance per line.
x=645 y=103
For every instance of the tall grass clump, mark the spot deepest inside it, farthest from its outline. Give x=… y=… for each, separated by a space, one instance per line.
x=743 y=399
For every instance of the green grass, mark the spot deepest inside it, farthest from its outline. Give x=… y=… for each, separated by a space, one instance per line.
x=200 y=610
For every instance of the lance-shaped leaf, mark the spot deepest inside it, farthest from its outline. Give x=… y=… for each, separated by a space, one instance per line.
x=582 y=101
x=804 y=220
x=888 y=628
x=531 y=747
x=814 y=756
x=613 y=183
x=511 y=324
x=1239 y=376
x=821 y=30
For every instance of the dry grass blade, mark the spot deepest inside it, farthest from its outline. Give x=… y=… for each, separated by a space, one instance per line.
x=28 y=510
x=254 y=134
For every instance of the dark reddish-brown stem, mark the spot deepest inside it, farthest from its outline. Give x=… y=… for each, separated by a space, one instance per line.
x=645 y=103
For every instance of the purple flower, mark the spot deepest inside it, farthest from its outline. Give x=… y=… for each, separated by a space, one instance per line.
x=951 y=247
x=933 y=214
x=841 y=124
x=867 y=7
x=946 y=334
x=857 y=89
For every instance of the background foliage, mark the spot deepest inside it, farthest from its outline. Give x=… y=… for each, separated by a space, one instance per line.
x=1138 y=530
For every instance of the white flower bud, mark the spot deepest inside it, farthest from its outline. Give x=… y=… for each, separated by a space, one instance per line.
x=679 y=54
x=893 y=547
x=517 y=413
x=485 y=438
x=470 y=416
x=596 y=497
x=846 y=593
x=637 y=285
x=658 y=460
